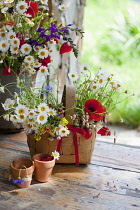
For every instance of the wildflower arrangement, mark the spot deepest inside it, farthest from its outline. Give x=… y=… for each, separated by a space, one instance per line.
x=29 y=39
x=36 y=111
x=96 y=96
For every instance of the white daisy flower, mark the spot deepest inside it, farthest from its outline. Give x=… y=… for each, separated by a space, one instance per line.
x=14 y=56
x=27 y=64
x=4 y=45
x=20 y=82
x=4 y=10
x=37 y=64
x=3 y=35
x=30 y=121
x=21 y=7
x=8 y=1
x=43 y=107
x=64 y=132
x=62 y=7
x=57 y=129
x=52 y=112
x=31 y=23
x=94 y=86
x=21 y=118
x=28 y=128
x=73 y=76
x=43 y=70
x=37 y=48
x=11 y=35
x=2 y=89
x=42 y=118
x=116 y=85
x=45 y=2
x=56 y=155
x=26 y=49
x=102 y=80
x=14 y=49
x=84 y=68
x=14 y=118
x=32 y=113
x=43 y=53
x=8 y=104
x=103 y=72
x=29 y=59
x=15 y=42
x=6 y=117
x=21 y=109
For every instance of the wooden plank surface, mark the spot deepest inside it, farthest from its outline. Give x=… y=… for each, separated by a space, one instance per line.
x=110 y=182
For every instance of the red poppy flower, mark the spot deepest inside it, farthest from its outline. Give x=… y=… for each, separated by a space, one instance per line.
x=65 y=48
x=32 y=9
x=104 y=131
x=45 y=61
x=7 y=71
x=95 y=109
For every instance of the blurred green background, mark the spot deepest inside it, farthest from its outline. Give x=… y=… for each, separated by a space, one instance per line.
x=112 y=41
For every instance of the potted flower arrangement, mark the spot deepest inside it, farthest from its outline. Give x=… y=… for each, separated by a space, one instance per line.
x=30 y=40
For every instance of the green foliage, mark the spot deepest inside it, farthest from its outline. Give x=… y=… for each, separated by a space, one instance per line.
x=112 y=41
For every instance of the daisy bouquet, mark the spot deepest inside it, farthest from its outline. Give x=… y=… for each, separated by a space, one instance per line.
x=29 y=38
x=96 y=96
x=37 y=111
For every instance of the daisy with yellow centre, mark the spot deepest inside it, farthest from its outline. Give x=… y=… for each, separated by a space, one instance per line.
x=62 y=7
x=73 y=76
x=43 y=53
x=43 y=70
x=14 y=118
x=21 y=7
x=42 y=118
x=4 y=45
x=52 y=112
x=21 y=109
x=26 y=49
x=3 y=35
x=56 y=155
x=8 y=104
x=43 y=107
x=64 y=131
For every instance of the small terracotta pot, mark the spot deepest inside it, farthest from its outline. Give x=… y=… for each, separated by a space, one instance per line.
x=16 y=169
x=43 y=169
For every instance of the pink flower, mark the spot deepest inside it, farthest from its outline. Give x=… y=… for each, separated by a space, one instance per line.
x=65 y=48
x=7 y=70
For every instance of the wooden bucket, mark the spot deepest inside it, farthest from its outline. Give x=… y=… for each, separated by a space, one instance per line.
x=68 y=151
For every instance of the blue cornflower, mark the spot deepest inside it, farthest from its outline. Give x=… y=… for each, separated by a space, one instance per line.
x=18 y=181
x=48 y=89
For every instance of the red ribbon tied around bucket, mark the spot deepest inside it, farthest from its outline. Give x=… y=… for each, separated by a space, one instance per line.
x=85 y=132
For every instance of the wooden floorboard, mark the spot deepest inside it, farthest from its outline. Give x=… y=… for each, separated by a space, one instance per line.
x=110 y=182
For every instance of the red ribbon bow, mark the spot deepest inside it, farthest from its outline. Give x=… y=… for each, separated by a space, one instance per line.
x=75 y=130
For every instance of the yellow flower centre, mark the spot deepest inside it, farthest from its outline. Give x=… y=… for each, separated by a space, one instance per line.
x=63 y=8
x=41 y=117
x=10 y=105
x=42 y=53
x=43 y=70
x=26 y=49
x=43 y=108
x=57 y=129
x=3 y=34
x=51 y=112
x=94 y=87
x=3 y=45
x=73 y=75
x=21 y=111
x=22 y=7
x=101 y=81
x=15 y=42
x=12 y=36
x=21 y=116
x=63 y=131
x=15 y=48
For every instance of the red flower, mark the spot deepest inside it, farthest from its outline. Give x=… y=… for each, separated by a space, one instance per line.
x=104 y=131
x=95 y=109
x=32 y=9
x=65 y=48
x=46 y=159
x=10 y=23
x=7 y=71
x=45 y=61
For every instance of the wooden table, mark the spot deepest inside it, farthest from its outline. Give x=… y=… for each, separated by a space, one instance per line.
x=110 y=182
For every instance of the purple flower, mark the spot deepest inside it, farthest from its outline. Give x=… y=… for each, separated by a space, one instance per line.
x=40 y=29
x=57 y=137
x=53 y=28
x=18 y=181
x=65 y=30
x=61 y=115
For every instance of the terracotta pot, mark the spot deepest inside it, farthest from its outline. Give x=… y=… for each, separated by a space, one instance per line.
x=17 y=170
x=43 y=169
